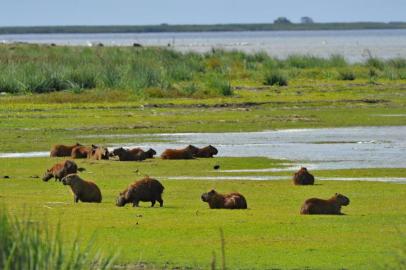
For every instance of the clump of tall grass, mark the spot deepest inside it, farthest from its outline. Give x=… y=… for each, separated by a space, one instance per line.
x=275 y=77
x=219 y=85
x=27 y=245
x=346 y=75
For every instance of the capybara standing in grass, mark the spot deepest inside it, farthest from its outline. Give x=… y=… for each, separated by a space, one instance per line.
x=84 y=191
x=127 y=155
x=186 y=153
x=303 y=177
x=60 y=170
x=148 y=154
x=206 y=152
x=228 y=201
x=144 y=190
x=61 y=150
x=98 y=153
x=332 y=206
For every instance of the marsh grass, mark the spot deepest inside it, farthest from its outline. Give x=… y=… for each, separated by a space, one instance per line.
x=25 y=244
x=41 y=69
x=276 y=77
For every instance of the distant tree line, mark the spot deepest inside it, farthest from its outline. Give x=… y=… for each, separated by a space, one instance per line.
x=281 y=23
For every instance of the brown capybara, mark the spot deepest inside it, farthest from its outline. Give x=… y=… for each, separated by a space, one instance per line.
x=60 y=170
x=61 y=150
x=332 y=206
x=206 y=152
x=186 y=153
x=126 y=155
x=227 y=201
x=80 y=152
x=303 y=177
x=84 y=191
x=144 y=190
x=98 y=153
x=148 y=154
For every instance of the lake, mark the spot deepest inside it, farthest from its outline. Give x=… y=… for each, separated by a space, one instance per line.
x=322 y=148
x=355 y=45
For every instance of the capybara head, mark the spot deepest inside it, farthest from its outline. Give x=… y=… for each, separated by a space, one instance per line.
x=67 y=180
x=104 y=152
x=48 y=175
x=341 y=199
x=193 y=149
x=118 y=151
x=207 y=196
x=213 y=150
x=121 y=201
x=150 y=153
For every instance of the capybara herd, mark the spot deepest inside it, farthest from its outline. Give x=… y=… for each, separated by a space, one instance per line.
x=150 y=189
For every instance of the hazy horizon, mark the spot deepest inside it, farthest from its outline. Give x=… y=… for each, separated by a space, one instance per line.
x=153 y=12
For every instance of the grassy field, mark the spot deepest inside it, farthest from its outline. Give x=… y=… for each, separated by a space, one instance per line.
x=184 y=233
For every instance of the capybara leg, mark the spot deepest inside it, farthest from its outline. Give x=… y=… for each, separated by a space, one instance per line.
x=76 y=199
x=136 y=204
x=161 y=202
x=153 y=203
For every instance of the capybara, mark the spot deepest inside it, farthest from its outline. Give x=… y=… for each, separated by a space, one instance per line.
x=206 y=152
x=303 y=177
x=84 y=191
x=144 y=190
x=61 y=150
x=80 y=152
x=228 y=201
x=126 y=155
x=98 y=153
x=60 y=170
x=332 y=206
x=186 y=153
x=148 y=154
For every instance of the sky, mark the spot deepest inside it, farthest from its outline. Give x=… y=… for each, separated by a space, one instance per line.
x=141 y=12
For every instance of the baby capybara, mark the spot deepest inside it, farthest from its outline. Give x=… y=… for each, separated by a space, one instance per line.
x=144 y=190
x=98 y=153
x=61 y=150
x=303 y=177
x=332 y=206
x=186 y=153
x=206 y=152
x=84 y=191
x=127 y=155
x=148 y=154
x=228 y=201
x=60 y=170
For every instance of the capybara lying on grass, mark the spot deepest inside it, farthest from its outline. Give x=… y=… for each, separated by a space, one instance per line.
x=61 y=150
x=186 y=153
x=81 y=152
x=148 y=154
x=84 y=191
x=127 y=155
x=60 y=170
x=206 y=152
x=144 y=190
x=303 y=177
x=98 y=153
x=228 y=201
x=332 y=206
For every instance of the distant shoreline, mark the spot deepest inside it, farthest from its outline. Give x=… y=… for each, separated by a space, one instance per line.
x=166 y=28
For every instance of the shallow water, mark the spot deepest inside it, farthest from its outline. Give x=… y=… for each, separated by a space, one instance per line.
x=355 y=45
x=325 y=148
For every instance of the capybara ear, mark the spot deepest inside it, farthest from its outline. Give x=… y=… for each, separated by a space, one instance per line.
x=94 y=146
x=337 y=194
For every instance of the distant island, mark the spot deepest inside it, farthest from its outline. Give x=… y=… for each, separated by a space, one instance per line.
x=280 y=24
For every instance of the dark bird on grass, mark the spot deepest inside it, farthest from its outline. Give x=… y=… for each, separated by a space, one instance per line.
x=216 y=167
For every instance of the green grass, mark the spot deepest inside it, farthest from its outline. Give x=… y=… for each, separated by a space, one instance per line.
x=184 y=233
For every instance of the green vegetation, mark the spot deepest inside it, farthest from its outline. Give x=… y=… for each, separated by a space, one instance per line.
x=185 y=233
x=160 y=72
x=26 y=244
x=201 y=28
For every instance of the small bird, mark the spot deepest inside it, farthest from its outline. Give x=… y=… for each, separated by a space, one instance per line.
x=216 y=167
